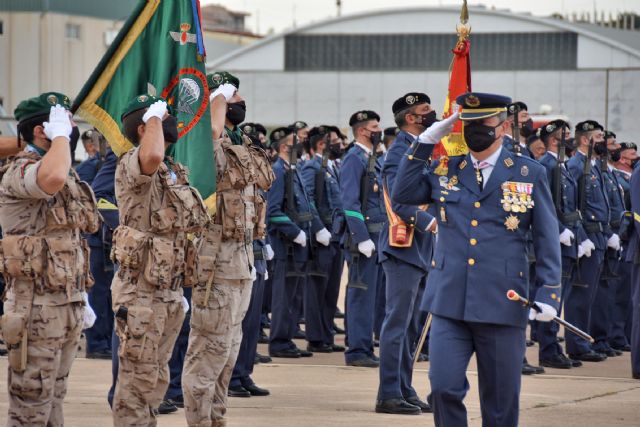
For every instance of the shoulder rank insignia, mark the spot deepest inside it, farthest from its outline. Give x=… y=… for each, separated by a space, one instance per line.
x=508 y=162
x=463 y=164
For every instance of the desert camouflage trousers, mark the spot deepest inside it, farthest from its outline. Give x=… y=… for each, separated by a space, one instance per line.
x=214 y=341
x=143 y=374
x=36 y=394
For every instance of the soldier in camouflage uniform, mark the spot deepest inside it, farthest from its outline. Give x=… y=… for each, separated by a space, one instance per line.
x=43 y=210
x=226 y=266
x=157 y=210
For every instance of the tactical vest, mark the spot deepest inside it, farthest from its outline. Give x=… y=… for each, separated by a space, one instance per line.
x=164 y=252
x=49 y=251
x=241 y=209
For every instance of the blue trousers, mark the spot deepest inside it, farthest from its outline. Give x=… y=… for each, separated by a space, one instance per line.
x=99 y=335
x=405 y=286
x=361 y=304
x=115 y=364
x=319 y=306
x=547 y=332
x=601 y=309
x=284 y=307
x=177 y=356
x=499 y=351
x=618 y=336
x=250 y=333
x=381 y=298
x=335 y=278
x=579 y=299
x=635 y=326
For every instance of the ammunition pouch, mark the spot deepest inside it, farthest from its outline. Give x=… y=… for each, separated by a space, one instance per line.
x=570 y=219
x=232 y=215
x=300 y=217
x=74 y=207
x=163 y=256
x=138 y=322
x=129 y=247
x=14 y=334
x=593 y=227
x=264 y=175
x=626 y=226
x=185 y=211
x=22 y=256
x=208 y=249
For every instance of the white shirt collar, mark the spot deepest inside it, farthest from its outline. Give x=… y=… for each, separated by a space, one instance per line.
x=553 y=154
x=491 y=160
x=364 y=148
x=318 y=155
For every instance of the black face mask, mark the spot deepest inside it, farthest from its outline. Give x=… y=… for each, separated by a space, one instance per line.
x=335 y=151
x=479 y=137
x=299 y=150
x=428 y=119
x=527 y=128
x=73 y=140
x=170 y=129
x=600 y=148
x=614 y=155
x=375 y=137
x=236 y=112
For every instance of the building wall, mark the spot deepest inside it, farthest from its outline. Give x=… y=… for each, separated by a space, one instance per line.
x=36 y=56
x=279 y=98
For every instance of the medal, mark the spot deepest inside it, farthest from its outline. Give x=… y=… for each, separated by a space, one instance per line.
x=511 y=222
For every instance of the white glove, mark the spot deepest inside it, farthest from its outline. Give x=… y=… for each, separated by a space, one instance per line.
x=301 y=239
x=254 y=274
x=185 y=304
x=88 y=316
x=59 y=124
x=438 y=130
x=614 y=242
x=227 y=90
x=266 y=275
x=270 y=254
x=366 y=248
x=157 y=109
x=547 y=314
x=585 y=248
x=566 y=237
x=323 y=237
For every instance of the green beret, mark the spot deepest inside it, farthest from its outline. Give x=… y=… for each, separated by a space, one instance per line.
x=140 y=102
x=220 y=77
x=40 y=105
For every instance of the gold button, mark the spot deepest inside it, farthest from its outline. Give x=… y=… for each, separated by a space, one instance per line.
x=553 y=296
x=442 y=199
x=472 y=261
x=474 y=223
x=476 y=204
x=433 y=263
x=473 y=242
x=410 y=157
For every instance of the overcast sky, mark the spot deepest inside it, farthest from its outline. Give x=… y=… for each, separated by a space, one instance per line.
x=281 y=14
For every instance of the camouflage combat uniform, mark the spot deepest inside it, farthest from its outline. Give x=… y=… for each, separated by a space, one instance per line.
x=46 y=267
x=154 y=249
x=221 y=297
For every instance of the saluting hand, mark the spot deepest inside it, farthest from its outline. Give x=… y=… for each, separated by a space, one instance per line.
x=438 y=130
x=59 y=124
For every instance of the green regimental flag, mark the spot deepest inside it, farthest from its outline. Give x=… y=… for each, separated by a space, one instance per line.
x=158 y=51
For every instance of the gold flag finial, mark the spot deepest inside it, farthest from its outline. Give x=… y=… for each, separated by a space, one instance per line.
x=463 y=28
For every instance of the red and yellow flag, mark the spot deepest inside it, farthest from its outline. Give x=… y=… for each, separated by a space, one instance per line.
x=459 y=83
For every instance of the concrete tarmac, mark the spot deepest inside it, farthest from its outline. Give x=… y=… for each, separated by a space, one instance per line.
x=321 y=391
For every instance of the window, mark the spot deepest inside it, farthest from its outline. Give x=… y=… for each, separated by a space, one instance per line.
x=429 y=52
x=72 y=31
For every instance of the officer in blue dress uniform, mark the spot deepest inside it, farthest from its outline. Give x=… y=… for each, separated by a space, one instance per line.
x=324 y=192
x=291 y=222
x=99 y=335
x=564 y=191
x=601 y=312
x=486 y=201
x=633 y=256
x=621 y=318
x=594 y=207
x=88 y=169
x=405 y=248
x=524 y=128
x=241 y=384
x=361 y=194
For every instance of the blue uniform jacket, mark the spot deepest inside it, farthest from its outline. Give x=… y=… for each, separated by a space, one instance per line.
x=103 y=187
x=279 y=225
x=87 y=169
x=634 y=241
x=569 y=203
x=615 y=195
x=597 y=205
x=353 y=167
x=480 y=252
x=419 y=254
x=510 y=144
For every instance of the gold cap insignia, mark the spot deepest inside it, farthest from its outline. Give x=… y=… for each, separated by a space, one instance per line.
x=142 y=98
x=511 y=222
x=361 y=116
x=52 y=99
x=247 y=129
x=472 y=101
x=216 y=78
x=410 y=99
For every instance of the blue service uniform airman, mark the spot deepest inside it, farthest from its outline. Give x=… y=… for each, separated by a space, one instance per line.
x=595 y=220
x=319 y=307
x=633 y=257
x=290 y=258
x=479 y=256
x=406 y=274
x=88 y=169
x=601 y=312
x=360 y=303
